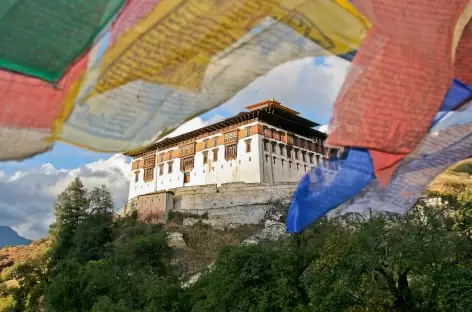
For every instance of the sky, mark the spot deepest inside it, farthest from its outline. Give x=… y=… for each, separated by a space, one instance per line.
x=28 y=189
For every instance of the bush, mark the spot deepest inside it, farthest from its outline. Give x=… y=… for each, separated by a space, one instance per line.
x=6 y=304
x=465 y=167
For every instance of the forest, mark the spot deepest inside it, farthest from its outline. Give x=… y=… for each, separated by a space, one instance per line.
x=420 y=261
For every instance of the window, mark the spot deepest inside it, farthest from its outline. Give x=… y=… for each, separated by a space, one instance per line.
x=266 y=145
x=135 y=165
x=273 y=148
x=169 y=169
x=136 y=176
x=248 y=131
x=206 y=143
x=296 y=154
x=205 y=157
x=268 y=133
x=231 y=136
x=215 y=155
x=161 y=158
x=186 y=177
x=149 y=161
x=230 y=151
x=276 y=135
x=289 y=153
x=161 y=170
x=248 y=146
x=290 y=164
x=298 y=167
x=281 y=147
x=215 y=143
x=148 y=174
x=304 y=156
x=170 y=155
x=290 y=139
x=187 y=149
x=267 y=158
x=311 y=158
x=282 y=162
x=305 y=168
x=186 y=164
x=274 y=160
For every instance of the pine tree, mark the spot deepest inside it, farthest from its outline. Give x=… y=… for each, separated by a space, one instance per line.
x=93 y=234
x=101 y=201
x=70 y=210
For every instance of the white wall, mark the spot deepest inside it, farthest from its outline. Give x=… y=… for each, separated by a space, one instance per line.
x=141 y=187
x=169 y=180
x=283 y=173
x=244 y=168
x=247 y=167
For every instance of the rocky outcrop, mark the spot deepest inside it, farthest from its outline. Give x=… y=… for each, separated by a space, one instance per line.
x=176 y=240
x=273 y=230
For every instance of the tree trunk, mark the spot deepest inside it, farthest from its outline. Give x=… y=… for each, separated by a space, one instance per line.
x=404 y=298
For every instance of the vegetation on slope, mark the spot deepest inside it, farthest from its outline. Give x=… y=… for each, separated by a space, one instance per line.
x=421 y=261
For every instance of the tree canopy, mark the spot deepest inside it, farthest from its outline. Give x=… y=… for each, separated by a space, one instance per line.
x=420 y=261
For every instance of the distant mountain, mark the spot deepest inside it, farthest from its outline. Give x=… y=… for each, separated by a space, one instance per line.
x=8 y=237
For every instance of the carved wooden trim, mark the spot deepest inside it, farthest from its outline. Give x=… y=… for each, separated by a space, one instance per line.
x=187 y=150
x=148 y=174
x=149 y=161
x=187 y=163
x=231 y=151
x=231 y=137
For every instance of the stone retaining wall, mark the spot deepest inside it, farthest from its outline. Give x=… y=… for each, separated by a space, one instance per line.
x=230 y=204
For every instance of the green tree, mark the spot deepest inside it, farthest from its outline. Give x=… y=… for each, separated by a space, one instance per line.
x=94 y=233
x=31 y=277
x=392 y=263
x=70 y=210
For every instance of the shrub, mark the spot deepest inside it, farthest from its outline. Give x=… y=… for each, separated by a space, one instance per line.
x=6 y=304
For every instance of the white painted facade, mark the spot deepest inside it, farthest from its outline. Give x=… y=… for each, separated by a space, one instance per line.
x=256 y=166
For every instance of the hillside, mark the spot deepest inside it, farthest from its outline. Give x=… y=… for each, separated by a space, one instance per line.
x=459 y=173
x=203 y=242
x=8 y=237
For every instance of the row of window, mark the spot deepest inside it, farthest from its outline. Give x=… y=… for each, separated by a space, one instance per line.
x=288 y=151
x=278 y=134
x=188 y=162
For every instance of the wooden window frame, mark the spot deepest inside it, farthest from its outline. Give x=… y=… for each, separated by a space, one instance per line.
x=230 y=137
x=187 y=163
x=136 y=176
x=215 y=154
x=149 y=162
x=281 y=149
x=231 y=151
x=161 y=170
x=248 y=145
x=148 y=174
x=248 y=131
x=187 y=177
x=205 y=157
x=170 y=166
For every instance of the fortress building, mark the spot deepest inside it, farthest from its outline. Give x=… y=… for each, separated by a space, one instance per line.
x=268 y=143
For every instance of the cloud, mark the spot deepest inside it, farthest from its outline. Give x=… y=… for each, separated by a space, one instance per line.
x=194 y=124
x=27 y=197
x=323 y=128
x=306 y=85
